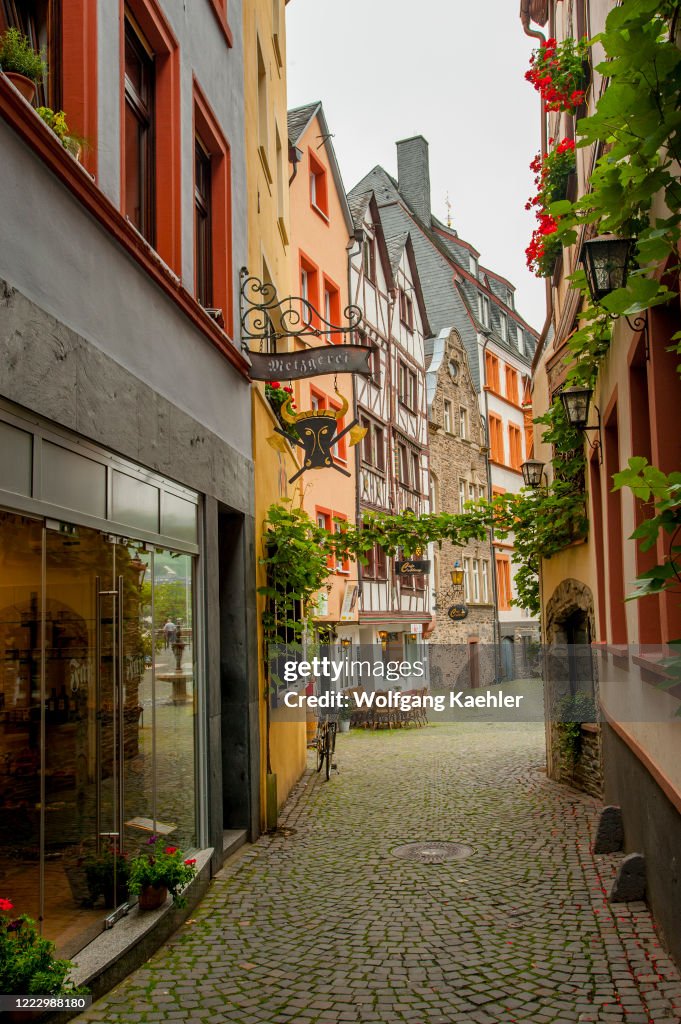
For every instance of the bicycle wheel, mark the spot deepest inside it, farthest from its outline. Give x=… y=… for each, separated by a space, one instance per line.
x=327 y=750
x=321 y=746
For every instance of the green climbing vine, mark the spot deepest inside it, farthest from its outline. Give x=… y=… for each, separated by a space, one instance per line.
x=634 y=191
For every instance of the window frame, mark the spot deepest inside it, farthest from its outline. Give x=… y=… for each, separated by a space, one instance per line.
x=203 y=218
x=447 y=416
x=318 y=186
x=464 y=425
x=146 y=17
x=208 y=130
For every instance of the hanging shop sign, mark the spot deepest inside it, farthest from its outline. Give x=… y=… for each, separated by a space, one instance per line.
x=410 y=567
x=314 y=362
x=457 y=612
x=316 y=432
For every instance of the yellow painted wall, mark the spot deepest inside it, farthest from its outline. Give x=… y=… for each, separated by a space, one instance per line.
x=268 y=219
x=324 y=241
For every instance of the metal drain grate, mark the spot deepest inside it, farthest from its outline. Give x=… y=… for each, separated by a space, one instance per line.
x=433 y=853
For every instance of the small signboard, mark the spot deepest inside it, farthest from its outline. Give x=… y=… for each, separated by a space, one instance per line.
x=457 y=612
x=411 y=567
x=313 y=362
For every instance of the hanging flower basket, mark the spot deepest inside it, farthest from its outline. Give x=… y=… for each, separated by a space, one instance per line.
x=553 y=173
x=560 y=73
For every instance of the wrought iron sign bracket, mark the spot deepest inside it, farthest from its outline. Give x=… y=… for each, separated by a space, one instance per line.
x=265 y=317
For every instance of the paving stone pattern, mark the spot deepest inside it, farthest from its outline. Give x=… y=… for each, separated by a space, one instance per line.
x=324 y=925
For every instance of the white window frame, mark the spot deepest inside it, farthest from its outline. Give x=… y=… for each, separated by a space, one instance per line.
x=447 y=416
x=463 y=423
x=467 y=579
x=485 y=582
x=476 y=580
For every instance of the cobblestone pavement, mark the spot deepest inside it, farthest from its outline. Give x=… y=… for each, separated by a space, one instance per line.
x=324 y=924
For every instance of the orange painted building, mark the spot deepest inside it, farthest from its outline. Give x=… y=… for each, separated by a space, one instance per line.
x=321 y=236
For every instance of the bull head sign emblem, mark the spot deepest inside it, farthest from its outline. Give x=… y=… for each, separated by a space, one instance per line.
x=316 y=434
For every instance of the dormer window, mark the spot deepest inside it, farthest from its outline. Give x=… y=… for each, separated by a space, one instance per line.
x=473 y=265
x=483 y=309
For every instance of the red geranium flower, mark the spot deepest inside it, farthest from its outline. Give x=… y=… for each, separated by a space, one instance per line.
x=275 y=384
x=6 y=905
x=191 y=861
x=170 y=849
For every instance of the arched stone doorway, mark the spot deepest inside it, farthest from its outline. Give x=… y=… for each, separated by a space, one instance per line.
x=570 y=672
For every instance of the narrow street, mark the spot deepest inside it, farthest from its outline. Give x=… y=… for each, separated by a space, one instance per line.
x=324 y=923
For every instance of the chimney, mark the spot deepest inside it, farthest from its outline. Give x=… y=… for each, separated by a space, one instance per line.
x=413 y=175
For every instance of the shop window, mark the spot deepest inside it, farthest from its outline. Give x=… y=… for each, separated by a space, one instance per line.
x=319 y=195
x=212 y=206
x=150 y=192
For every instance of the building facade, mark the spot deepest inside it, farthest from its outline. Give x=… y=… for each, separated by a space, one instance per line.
x=392 y=460
x=584 y=587
x=479 y=304
x=266 y=206
x=321 y=232
x=128 y=691
x=464 y=612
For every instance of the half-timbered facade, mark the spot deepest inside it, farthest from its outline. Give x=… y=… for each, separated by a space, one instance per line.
x=479 y=304
x=392 y=461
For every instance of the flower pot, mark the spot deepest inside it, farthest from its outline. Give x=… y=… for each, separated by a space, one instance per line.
x=152 y=897
x=344 y=725
x=26 y=86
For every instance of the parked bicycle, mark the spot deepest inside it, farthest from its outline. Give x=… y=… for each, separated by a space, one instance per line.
x=324 y=742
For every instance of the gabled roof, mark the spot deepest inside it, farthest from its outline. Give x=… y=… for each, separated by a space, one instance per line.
x=299 y=120
x=444 y=269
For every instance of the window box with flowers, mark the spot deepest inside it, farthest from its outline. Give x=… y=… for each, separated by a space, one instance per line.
x=157 y=872
x=560 y=74
x=553 y=173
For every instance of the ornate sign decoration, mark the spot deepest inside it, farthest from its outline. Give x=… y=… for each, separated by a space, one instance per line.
x=315 y=433
x=457 y=612
x=266 y=318
x=313 y=362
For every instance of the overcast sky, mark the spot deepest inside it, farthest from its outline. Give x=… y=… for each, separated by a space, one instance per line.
x=451 y=70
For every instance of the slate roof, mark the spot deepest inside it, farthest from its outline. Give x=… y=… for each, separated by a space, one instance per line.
x=443 y=261
x=299 y=118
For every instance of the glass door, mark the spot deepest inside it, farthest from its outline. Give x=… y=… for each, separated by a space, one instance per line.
x=95 y=752
x=98 y=704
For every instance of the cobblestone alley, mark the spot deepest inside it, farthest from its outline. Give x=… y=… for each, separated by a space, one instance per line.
x=323 y=923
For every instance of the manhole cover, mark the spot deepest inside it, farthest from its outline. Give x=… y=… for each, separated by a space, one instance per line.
x=433 y=853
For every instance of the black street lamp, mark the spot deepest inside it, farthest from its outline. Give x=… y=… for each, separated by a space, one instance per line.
x=606 y=264
x=532 y=471
x=576 y=401
x=606 y=261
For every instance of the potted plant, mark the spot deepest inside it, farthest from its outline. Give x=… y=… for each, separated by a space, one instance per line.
x=27 y=964
x=345 y=716
x=99 y=877
x=22 y=65
x=155 y=873
x=57 y=122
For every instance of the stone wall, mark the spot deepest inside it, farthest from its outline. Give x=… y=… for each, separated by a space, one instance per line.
x=453 y=458
x=587 y=772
